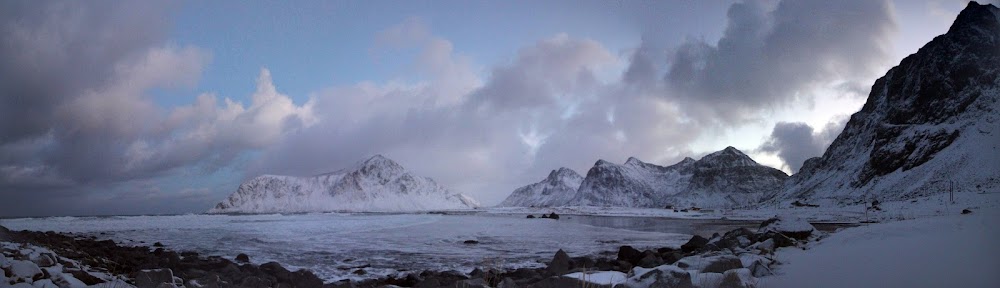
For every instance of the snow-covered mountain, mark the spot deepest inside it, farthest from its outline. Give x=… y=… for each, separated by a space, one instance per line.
x=728 y=179
x=376 y=184
x=557 y=189
x=725 y=178
x=929 y=123
x=633 y=184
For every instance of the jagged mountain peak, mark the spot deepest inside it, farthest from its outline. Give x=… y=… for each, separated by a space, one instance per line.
x=924 y=122
x=602 y=162
x=728 y=157
x=975 y=14
x=633 y=161
x=562 y=172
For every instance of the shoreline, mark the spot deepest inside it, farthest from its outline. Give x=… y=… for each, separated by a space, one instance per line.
x=136 y=262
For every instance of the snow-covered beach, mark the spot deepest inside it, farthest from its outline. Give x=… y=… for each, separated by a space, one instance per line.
x=337 y=246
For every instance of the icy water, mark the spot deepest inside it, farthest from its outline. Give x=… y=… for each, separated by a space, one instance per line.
x=334 y=245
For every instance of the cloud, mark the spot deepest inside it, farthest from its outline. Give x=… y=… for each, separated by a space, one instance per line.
x=795 y=142
x=76 y=112
x=771 y=56
x=544 y=109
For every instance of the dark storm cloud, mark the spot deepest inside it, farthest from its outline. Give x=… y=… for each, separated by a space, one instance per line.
x=53 y=50
x=796 y=142
x=771 y=56
x=76 y=117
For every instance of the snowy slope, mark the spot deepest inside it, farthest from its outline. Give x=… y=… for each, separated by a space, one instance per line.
x=729 y=179
x=557 y=189
x=376 y=184
x=633 y=184
x=726 y=178
x=929 y=123
x=947 y=251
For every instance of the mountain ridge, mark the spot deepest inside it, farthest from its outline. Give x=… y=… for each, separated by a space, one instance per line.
x=376 y=184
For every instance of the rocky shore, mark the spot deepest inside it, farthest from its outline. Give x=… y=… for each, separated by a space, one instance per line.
x=734 y=259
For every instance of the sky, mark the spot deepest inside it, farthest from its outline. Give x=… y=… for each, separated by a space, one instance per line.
x=146 y=107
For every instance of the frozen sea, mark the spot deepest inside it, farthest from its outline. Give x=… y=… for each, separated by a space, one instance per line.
x=333 y=245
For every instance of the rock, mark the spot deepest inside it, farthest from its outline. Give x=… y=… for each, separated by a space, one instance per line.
x=722 y=264
x=44 y=283
x=624 y=266
x=779 y=240
x=531 y=216
x=209 y=281
x=758 y=269
x=470 y=242
x=737 y=278
x=661 y=276
x=695 y=243
x=360 y=272
x=629 y=254
x=546 y=216
x=157 y=244
x=243 y=258
x=966 y=211
x=554 y=216
x=24 y=270
x=792 y=227
x=153 y=277
x=650 y=261
x=85 y=277
x=44 y=260
x=117 y=283
x=560 y=263
x=507 y=283
x=582 y=262
x=559 y=282
x=429 y=283
x=306 y=279
x=472 y=283
x=671 y=257
x=254 y=282
x=275 y=269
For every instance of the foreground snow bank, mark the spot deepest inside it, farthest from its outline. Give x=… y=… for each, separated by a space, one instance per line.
x=946 y=251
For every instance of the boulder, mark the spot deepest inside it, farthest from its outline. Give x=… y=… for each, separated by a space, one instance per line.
x=473 y=283
x=507 y=283
x=661 y=276
x=531 y=216
x=554 y=216
x=966 y=211
x=722 y=264
x=152 y=278
x=695 y=243
x=629 y=254
x=560 y=263
x=255 y=282
x=275 y=269
x=794 y=228
x=44 y=260
x=759 y=269
x=470 y=242
x=24 y=270
x=44 y=283
x=85 y=277
x=737 y=278
x=703 y=262
x=779 y=239
x=559 y=282
x=242 y=258
x=650 y=261
x=208 y=281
